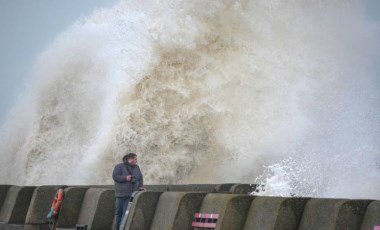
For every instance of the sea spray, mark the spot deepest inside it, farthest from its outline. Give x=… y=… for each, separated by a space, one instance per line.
x=205 y=92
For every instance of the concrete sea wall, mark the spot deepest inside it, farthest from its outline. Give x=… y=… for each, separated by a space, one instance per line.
x=164 y=207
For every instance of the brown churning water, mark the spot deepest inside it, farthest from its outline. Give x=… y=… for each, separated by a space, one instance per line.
x=206 y=91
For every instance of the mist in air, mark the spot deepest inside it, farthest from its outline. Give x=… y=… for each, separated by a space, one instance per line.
x=281 y=94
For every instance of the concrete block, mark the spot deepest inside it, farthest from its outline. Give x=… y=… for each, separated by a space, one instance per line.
x=277 y=213
x=203 y=187
x=192 y=188
x=16 y=204
x=112 y=226
x=242 y=188
x=224 y=188
x=175 y=210
x=5 y=226
x=40 y=204
x=109 y=187
x=98 y=209
x=142 y=211
x=158 y=188
x=3 y=193
x=232 y=209
x=113 y=222
x=333 y=214
x=179 y=187
x=182 y=188
x=71 y=205
x=371 y=216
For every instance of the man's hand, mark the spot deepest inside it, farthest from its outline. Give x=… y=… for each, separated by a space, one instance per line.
x=129 y=177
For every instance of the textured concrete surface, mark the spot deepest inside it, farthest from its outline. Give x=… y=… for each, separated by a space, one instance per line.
x=26 y=208
x=242 y=188
x=371 y=216
x=158 y=188
x=333 y=214
x=232 y=209
x=179 y=187
x=175 y=210
x=183 y=188
x=71 y=206
x=40 y=204
x=3 y=193
x=224 y=188
x=5 y=226
x=98 y=209
x=192 y=187
x=203 y=187
x=142 y=211
x=277 y=213
x=16 y=204
x=220 y=188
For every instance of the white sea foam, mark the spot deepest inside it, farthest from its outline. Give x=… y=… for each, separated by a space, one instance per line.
x=206 y=91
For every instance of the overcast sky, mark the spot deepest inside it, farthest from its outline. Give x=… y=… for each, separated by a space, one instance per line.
x=26 y=30
x=28 y=27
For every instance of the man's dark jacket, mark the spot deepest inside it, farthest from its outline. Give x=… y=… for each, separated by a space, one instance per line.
x=124 y=188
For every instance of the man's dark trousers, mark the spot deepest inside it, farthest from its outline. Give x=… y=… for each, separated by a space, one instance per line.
x=121 y=207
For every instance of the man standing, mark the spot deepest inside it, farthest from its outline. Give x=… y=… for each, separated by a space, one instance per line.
x=128 y=179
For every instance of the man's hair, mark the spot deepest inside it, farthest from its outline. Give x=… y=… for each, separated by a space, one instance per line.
x=129 y=156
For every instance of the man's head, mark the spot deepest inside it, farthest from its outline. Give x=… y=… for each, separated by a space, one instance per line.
x=130 y=158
